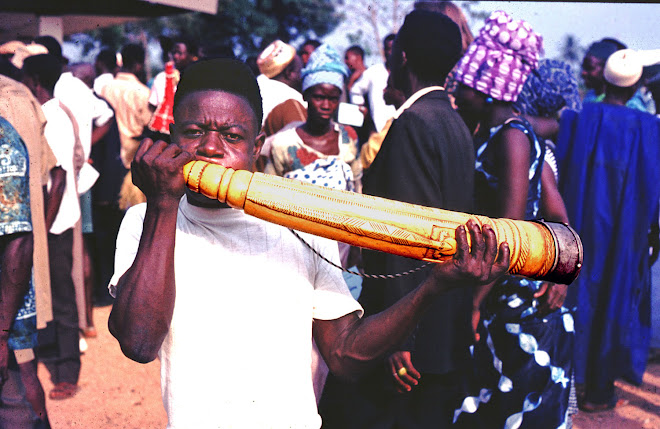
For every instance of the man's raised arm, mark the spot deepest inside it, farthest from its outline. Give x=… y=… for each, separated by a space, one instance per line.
x=142 y=312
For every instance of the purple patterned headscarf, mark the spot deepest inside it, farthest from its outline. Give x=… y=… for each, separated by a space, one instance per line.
x=501 y=57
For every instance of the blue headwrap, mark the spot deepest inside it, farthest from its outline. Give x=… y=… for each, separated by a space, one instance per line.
x=548 y=89
x=325 y=65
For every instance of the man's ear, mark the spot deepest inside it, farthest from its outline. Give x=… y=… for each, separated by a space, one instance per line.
x=404 y=58
x=258 y=144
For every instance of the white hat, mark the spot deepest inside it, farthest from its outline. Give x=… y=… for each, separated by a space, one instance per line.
x=274 y=59
x=623 y=68
x=26 y=51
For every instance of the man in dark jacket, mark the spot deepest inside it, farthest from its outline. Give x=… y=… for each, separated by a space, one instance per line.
x=427 y=158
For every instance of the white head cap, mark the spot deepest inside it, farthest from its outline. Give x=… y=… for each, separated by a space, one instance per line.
x=623 y=68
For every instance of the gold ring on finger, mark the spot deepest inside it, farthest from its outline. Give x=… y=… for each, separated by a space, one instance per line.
x=402 y=371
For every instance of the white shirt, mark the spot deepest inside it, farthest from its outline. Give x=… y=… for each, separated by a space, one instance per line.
x=101 y=81
x=61 y=139
x=157 y=90
x=238 y=353
x=372 y=83
x=86 y=107
x=274 y=92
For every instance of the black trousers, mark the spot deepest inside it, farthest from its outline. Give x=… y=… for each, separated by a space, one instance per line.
x=373 y=403
x=59 y=347
x=107 y=219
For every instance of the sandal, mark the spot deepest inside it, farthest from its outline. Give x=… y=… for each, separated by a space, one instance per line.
x=89 y=332
x=63 y=391
x=591 y=407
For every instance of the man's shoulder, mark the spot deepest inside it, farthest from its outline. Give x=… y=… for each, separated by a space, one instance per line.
x=57 y=118
x=11 y=89
x=377 y=70
x=431 y=105
x=68 y=82
x=127 y=82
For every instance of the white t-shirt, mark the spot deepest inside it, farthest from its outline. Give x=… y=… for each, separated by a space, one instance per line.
x=372 y=83
x=238 y=354
x=86 y=107
x=61 y=139
x=274 y=92
x=157 y=90
x=101 y=81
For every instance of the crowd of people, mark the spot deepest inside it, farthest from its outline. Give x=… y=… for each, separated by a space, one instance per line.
x=255 y=325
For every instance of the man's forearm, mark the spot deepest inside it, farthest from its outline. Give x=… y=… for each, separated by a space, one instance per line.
x=363 y=341
x=142 y=312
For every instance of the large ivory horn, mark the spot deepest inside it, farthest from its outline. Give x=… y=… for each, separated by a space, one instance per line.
x=540 y=250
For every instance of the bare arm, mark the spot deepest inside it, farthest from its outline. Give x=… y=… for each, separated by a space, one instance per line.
x=513 y=161
x=552 y=204
x=14 y=284
x=142 y=312
x=351 y=345
x=552 y=295
x=53 y=198
x=546 y=128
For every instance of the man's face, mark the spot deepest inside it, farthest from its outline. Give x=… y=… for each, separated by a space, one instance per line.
x=352 y=60
x=592 y=72
x=388 y=50
x=293 y=73
x=217 y=127
x=322 y=102
x=181 y=56
x=305 y=52
x=397 y=73
x=391 y=95
x=470 y=104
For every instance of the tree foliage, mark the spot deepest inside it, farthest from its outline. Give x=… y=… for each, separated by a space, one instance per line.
x=244 y=26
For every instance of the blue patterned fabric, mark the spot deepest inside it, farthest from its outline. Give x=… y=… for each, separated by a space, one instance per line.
x=548 y=89
x=608 y=160
x=523 y=361
x=15 y=193
x=325 y=65
x=15 y=218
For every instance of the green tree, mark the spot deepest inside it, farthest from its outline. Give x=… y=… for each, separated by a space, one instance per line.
x=367 y=22
x=244 y=26
x=571 y=51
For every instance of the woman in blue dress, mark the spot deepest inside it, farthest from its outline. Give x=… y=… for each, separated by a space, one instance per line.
x=522 y=354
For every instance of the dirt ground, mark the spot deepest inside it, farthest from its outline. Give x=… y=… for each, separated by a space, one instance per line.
x=119 y=393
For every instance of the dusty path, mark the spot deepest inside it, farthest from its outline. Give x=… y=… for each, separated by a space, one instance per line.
x=119 y=393
x=115 y=392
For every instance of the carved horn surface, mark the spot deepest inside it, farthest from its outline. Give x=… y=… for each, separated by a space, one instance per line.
x=540 y=250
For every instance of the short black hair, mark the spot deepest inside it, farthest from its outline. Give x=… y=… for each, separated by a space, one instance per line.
x=191 y=45
x=132 y=54
x=311 y=42
x=356 y=50
x=432 y=42
x=50 y=43
x=389 y=38
x=221 y=74
x=8 y=69
x=108 y=58
x=618 y=43
x=45 y=68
